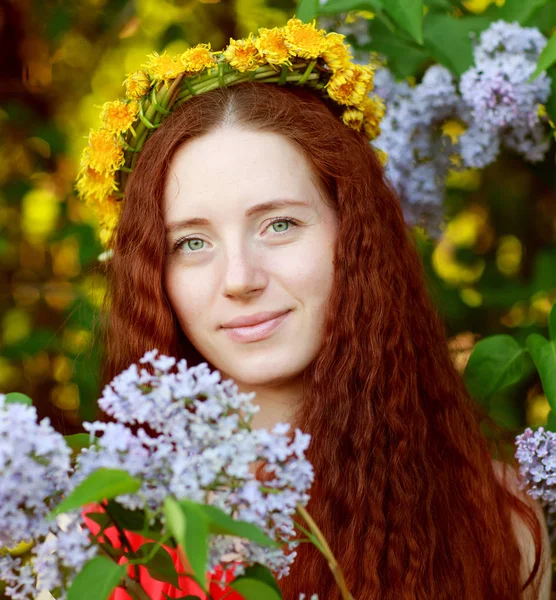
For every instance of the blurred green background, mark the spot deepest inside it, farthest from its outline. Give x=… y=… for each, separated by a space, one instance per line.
x=493 y=270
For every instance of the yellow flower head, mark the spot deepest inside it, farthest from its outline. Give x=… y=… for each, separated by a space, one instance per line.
x=304 y=39
x=163 y=67
x=108 y=219
x=95 y=186
x=353 y=117
x=382 y=156
x=137 y=85
x=103 y=152
x=271 y=44
x=373 y=109
x=243 y=54
x=119 y=116
x=336 y=53
x=349 y=86
x=198 y=58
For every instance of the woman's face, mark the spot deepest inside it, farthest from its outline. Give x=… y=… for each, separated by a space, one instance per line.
x=240 y=255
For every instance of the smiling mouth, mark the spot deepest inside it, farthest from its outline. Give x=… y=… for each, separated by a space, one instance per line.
x=255 y=333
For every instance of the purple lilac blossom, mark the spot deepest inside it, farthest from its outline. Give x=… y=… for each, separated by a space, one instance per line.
x=536 y=454
x=419 y=155
x=494 y=101
x=200 y=447
x=34 y=475
x=34 y=467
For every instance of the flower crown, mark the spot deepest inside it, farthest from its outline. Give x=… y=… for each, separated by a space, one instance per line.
x=297 y=53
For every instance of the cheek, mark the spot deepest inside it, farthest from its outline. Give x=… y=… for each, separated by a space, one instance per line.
x=185 y=297
x=311 y=271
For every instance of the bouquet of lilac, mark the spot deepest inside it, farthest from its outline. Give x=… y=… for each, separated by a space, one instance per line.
x=178 y=452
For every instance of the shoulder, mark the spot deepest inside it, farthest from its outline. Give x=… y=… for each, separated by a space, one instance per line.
x=508 y=477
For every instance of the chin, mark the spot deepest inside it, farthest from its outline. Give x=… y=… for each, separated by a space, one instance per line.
x=263 y=376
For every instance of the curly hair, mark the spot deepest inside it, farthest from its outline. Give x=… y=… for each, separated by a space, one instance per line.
x=405 y=490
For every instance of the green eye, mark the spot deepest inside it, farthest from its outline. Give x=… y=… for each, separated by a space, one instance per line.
x=193 y=241
x=283 y=222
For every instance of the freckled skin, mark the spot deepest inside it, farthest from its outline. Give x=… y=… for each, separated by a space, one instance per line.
x=245 y=265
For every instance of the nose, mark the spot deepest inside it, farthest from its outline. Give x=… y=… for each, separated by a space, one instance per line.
x=244 y=272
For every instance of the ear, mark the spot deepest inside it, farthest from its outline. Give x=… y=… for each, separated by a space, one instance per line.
x=509 y=478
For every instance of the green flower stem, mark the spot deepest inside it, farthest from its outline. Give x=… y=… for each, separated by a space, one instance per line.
x=332 y=562
x=134 y=589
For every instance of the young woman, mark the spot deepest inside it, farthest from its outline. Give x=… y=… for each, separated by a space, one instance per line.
x=259 y=234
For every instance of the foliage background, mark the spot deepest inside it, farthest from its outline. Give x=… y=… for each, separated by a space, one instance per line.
x=493 y=270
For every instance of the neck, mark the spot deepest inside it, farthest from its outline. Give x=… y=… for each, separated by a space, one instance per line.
x=276 y=403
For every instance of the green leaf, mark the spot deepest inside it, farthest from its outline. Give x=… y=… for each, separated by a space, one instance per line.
x=78 y=441
x=547 y=58
x=496 y=362
x=160 y=566
x=100 y=485
x=447 y=39
x=18 y=398
x=404 y=57
x=551 y=422
x=440 y=4
x=307 y=10
x=262 y=573
x=189 y=527
x=133 y=520
x=408 y=15
x=552 y=323
x=256 y=583
x=96 y=580
x=220 y=523
x=515 y=10
x=100 y=518
x=338 y=6
x=544 y=355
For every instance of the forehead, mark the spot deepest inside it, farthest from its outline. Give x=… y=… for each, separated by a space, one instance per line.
x=236 y=168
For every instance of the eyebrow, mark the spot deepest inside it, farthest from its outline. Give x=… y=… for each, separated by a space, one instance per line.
x=254 y=210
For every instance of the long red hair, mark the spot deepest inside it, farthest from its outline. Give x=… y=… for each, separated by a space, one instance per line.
x=405 y=491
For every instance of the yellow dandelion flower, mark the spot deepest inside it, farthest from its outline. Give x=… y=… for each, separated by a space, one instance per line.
x=137 y=85
x=119 y=116
x=103 y=152
x=108 y=217
x=382 y=156
x=373 y=109
x=304 y=39
x=336 y=53
x=198 y=58
x=353 y=117
x=93 y=186
x=243 y=54
x=349 y=86
x=272 y=46
x=163 y=67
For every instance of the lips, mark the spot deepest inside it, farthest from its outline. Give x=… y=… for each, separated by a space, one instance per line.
x=255 y=333
x=255 y=319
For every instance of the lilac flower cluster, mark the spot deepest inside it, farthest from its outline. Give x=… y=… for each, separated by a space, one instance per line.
x=34 y=475
x=495 y=105
x=418 y=153
x=200 y=446
x=497 y=88
x=536 y=454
